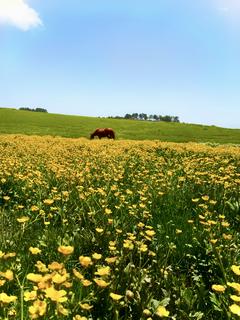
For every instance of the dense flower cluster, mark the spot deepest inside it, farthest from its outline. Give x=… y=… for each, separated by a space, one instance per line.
x=118 y=229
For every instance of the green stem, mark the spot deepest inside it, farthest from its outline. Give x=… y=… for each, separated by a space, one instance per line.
x=21 y=286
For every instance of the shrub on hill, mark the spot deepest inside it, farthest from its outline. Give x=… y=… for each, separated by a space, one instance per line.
x=34 y=110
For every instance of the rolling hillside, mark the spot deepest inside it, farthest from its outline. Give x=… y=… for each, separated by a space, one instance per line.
x=13 y=121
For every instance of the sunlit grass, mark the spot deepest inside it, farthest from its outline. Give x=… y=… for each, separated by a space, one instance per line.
x=14 y=121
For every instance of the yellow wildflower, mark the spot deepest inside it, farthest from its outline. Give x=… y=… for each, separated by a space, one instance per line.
x=85 y=306
x=62 y=310
x=235 y=309
x=108 y=211
x=35 y=250
x=66 y=250
x=38 y=308
x=162 y=312
x=55 y=266
x=225 y=224
x=85 y=261
x=23 y=219
x=78 y=317
x=4 y=298
x=57 y=278
x=103 y=271
x=96 y=256
x=34 y=277
x=234 y=285
x=150 y=233
x=30 y=295
x=111 y=259
x=56 y=295
x=235 y=298
x=101 y=283
x=218 y=288
x=7 y=275
x=236 y=269
x=115 y=296
x=86 y=282
x=178 y=231
x=48 y=201
x=78 y=274
x=41 y=266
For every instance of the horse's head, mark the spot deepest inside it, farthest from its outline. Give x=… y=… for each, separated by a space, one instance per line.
x=92 y=136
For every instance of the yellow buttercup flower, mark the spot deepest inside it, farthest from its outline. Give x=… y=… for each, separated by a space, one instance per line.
x=235 y=298
x=66 y=250
x=111 y=259
x=85 y=306
x=57 y=278
x=162 y=312
x=56 y=295
x=234 y=285
x=35 y=277
x=103 y=271
x=235 y=309
x=86 y=282
x=78 y=274
x=48 y=201
x=85 y=261
x=108 y=211
x=41 y=266
x=38 y=308
x=96 y=256
x=218 y=288
x=34 y=250
x=101 y=283
x=150 y=233
x=30 y=295
x=7 y=275
x=62 y=310
x=78 y=317
x=4 y=298
x=23 y=219
x=115 y=296
x=236 y=269
x=2 y=282
x=55 y=266
x=178 y=231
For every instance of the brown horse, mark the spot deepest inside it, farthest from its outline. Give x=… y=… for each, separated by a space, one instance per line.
x=102 y=133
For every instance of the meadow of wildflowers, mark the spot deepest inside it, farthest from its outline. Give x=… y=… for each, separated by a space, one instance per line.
x=118 y=229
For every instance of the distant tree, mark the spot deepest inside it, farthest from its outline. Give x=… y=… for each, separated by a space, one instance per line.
x=33 y=110
x=40 y=110
x=127 y=116
x=176 y=119
x=135 y=116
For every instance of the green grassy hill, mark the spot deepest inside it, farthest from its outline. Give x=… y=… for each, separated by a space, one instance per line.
x=14 y=121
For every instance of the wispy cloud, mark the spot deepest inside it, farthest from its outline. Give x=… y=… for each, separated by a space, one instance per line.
x=19 y=14
x=231 y=7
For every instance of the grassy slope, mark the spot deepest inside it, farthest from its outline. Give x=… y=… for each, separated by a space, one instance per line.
x=13 y=121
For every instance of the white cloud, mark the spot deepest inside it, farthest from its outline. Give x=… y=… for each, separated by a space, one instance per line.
x=228 y=6
x=19 y=14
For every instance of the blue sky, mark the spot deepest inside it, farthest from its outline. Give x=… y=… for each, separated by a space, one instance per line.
x=102 y=58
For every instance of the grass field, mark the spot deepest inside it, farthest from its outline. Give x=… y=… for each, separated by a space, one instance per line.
x=123 y=230
x=14 y=121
